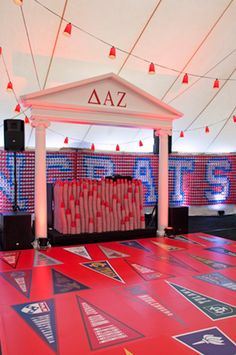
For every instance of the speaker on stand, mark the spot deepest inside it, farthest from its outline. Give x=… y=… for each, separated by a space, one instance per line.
x=14 y=140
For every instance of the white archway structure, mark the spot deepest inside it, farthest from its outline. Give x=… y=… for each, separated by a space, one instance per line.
x=102 y=100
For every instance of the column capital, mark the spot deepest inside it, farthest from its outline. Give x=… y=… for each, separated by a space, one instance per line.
x=40 y=124
x=163 y=132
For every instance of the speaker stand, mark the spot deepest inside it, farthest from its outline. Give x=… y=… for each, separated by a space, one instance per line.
x=15 y=207
x=41 y=244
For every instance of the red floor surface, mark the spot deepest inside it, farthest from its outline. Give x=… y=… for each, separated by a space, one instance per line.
x=137 y=297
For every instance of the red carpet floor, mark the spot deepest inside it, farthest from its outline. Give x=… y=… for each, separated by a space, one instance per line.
x=134 y=297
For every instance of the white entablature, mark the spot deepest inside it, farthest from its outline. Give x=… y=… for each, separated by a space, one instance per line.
x=102 y=100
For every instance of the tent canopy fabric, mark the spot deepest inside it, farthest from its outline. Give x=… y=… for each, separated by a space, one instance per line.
x=186 y=36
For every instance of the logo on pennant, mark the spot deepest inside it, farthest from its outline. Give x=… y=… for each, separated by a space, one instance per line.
x=187 y=240
x=11 y=258
x=112 y=254
x=64 y=284
x=173 y=260
x=208 y=341
x=41 y=259
x=166 y=246
x=40 y=316
x=135 y=244
x=21 y=280
x=103 y=267
x=214 y=239
x=221 y=251
x=147 y=273
x=80 y=251
x=211 y=307
x=214 y=264
x=215 y=278
x=102 y=329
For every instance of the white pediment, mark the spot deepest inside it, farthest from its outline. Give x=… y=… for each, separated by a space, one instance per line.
x=100 y=95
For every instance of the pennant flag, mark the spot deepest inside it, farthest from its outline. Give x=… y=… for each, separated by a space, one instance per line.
x=147 y=273
x=127 y=352
x=40 y=316
x=215 y=278
x=135 y=244
x=214 y=239
x=81 y=251
x=11 y=258
x=211 y=307
x=41 y=259
x=64 y=284
x=221 y=251
x=187 y=240
x=112 y=254
x=102 y=329
x=172 y=260
x=208 y=341
x=214 y=264
x=166 y=246
x=103 y=267
x=21 y=280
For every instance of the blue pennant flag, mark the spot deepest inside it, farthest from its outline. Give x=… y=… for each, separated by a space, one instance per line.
x=64 y=284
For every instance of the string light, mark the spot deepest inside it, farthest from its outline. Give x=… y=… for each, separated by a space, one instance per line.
x=93 y=147
x=185 y=79
x=17 y=108
x=9 y=87
x=27 y=120
x=234 y=119
x=68 y=29
x=181 y=134
x=18 y=2
x=207 y=129
x=117 y=148
x=112 y=53
x=216 y=84
x=66 y=140
x=0 y=50
x=151 y=69
x=140 y=143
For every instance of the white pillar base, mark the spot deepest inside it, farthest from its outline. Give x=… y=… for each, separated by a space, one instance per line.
x=160 y=233
x=41 y=244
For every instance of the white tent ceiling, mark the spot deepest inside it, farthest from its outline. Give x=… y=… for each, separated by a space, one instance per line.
x=196 y=37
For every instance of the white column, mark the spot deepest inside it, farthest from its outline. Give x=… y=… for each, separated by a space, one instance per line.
x=163 y=192
x=40 y=201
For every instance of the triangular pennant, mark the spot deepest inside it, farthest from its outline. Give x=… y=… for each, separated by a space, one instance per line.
x=221 y=251
x=64 y=284
x=214 y=239
x=102 y=329
x=212 y=263
x=40 y=316
x=112 y=254
x=41 y=259
x=11 y=258
x=147 y=273
x=211 y=307
x=80 y=250
x=215 y=278
x=173 y=260
x=166 y=246
x=127 y=352
x=21 y=280
x=135 y=244
x=187 y=240
x=208 y=341
x=103 y=267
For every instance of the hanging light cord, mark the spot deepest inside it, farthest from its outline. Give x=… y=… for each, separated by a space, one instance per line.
x=197 y=49
x=139 y=36
x=55 y=43
x=30 y=46
x=125 y=51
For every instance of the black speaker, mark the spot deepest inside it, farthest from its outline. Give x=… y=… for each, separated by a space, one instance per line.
x=178 y=219
x=156 y=144
x=14 y=135
x=15 y=229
